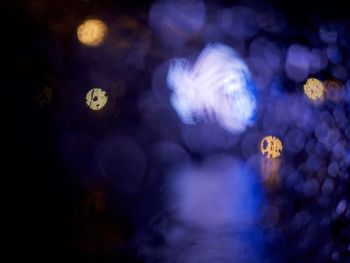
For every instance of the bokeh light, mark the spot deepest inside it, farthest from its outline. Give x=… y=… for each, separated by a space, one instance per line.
x=298 y=62
x=92 y=32
x=220 y=192
x=96 y=99
x=328 y=33
x=314 y=89
x=214 y=131
x=175 y=22
x=334 y=89
x=217 y=88
x=269 y=168
x=271 y=146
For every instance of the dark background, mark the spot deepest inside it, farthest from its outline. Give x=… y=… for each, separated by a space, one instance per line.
x=51 y=208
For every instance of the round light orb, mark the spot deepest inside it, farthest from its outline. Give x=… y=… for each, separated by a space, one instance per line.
x=271 y=147
x=96 y=99
x=314 y=89
x=92 y=32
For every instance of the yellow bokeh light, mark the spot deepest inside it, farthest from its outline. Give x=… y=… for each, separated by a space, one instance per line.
x=271 y=147
x=92 y=32
x=314 y=89
x=96 y=99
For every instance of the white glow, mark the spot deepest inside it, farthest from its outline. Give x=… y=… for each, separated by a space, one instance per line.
x=215 y=88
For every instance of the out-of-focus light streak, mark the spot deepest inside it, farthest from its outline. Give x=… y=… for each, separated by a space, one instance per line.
x=216 y=88
x=96 y=99
x=271 y=147
x=269 y=170
x=92 y=32
x=314 y=89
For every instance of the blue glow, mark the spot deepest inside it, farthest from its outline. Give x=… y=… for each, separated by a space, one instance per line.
x=220 y=192
x=175 y=22
x=216 y=88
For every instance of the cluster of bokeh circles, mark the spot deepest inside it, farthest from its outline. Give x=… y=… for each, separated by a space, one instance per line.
x=199 y=80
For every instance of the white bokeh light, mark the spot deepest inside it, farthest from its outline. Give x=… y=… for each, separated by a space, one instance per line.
x=216 y=88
